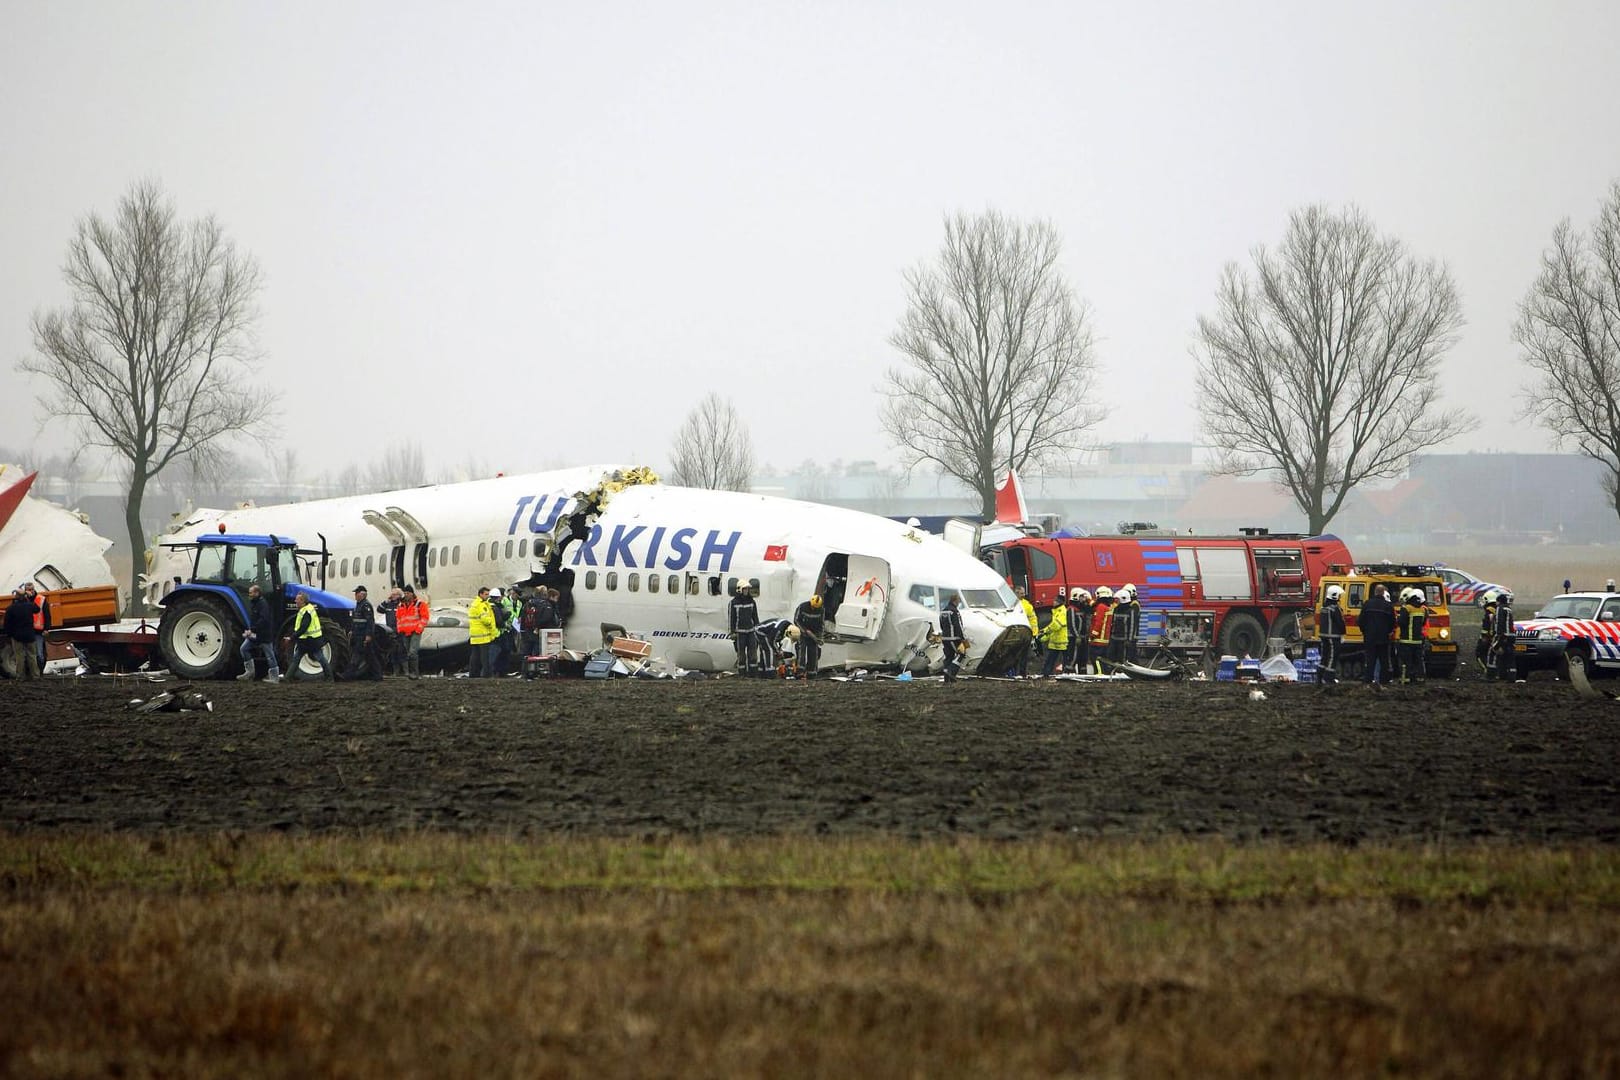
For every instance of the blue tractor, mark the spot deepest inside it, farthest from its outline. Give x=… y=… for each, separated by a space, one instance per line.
x=205 y=616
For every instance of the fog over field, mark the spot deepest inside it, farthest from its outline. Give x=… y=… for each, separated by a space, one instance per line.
x=535 y=234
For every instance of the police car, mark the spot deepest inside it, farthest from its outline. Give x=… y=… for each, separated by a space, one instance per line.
x=1577 y=627
x=1464 y=588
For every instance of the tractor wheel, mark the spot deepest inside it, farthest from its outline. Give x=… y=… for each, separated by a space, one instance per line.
x=1242 y=635
x=198 y=637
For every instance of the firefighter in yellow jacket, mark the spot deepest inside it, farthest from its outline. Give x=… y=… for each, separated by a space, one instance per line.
x=1056 y=634
x=1034 y=629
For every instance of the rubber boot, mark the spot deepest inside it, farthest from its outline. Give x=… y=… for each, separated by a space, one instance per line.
x=246 y=676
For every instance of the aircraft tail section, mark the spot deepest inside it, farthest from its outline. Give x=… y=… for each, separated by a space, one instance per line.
x=13 y=494
x=1010 y=508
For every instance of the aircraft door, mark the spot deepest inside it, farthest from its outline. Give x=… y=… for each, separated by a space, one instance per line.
x=964 y=535
x=396 y=543
x=412 y=530
x=866 y=599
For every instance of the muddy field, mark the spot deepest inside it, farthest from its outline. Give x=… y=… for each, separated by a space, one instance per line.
x=1461 y=760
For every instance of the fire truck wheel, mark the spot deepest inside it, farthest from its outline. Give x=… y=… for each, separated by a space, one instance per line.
x=1285 y=628
x=1242 y=635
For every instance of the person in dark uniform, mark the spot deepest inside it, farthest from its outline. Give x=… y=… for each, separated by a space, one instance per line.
x=1331 y=630
x=1483 y=652
x=1410 y=622
x=1127 y=624
x=951 y=638
x=1507 y=666
x=20 y=633
x=1079 y=631
x=388 y=609
x=743 y=617
x=811 y=619
x=1377 y=623
x=362 y=625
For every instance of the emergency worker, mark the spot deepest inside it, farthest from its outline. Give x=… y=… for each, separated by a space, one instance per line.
x=743 y=616
x=1483 y=652
x=480 y=633
x=1410 y=622
x=1332 y=628
x=811 y=619
x=307 y=639
x=1377 y=623
x=1127 y=625
x=1079 y=659
x=952 y=640
x=42 y=621
x=362 y=627
x=1034 y=629
x=1507 y=667
x=1056 y=635
x=259 y=637
x=411 y=616
x=1102 y=625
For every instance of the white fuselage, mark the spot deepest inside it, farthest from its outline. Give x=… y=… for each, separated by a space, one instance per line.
x=660 y=561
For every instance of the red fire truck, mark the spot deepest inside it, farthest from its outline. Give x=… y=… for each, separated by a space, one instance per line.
x=1197 y=592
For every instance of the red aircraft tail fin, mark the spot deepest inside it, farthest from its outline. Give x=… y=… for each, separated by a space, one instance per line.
x=12 y=497
x=1010 y=508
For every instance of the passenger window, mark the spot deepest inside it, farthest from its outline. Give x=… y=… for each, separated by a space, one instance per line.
x=632 y=582
x=590 y=579
x=509 y=549
x=343 y=568
x=368 y=564
x=652 y=583
x=714 y=585
x=693 y=587
x=455 y=555
x=523 y=549
x=612 y=580
x=433 y=557
x=480 y=552
x=674 y=585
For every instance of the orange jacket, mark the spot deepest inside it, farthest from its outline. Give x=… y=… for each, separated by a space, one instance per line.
x=411 y=616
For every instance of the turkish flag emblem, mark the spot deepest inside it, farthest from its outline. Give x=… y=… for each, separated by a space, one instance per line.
x=776 y=553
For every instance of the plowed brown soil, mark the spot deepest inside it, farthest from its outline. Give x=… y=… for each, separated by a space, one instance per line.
x=1445 y=760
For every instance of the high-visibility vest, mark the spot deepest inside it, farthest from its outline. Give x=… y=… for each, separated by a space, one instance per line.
x=39 y=616
x=409 y=618
x=313 y=629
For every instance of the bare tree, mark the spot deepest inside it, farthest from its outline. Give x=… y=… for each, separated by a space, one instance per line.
x=401 y=466
x=998 y=356
x=713 y=448
x=1321 y=367
x=151 y=360
x=1569 y=326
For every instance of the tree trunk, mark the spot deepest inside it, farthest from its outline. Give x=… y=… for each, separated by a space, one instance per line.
x=137 y=542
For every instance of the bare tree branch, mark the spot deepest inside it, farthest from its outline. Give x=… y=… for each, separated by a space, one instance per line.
x=1321 y=367
x=151 y=360
x=713 y=448
x=1569 y=328
x=998 y=356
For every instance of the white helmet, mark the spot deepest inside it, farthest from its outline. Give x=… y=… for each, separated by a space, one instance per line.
x=1104 y=593
x=1127 y=591
x=1334 y=592
x=1489 y=596
x=1077 y=593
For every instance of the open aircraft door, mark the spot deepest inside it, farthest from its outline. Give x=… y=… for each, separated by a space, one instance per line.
x=396 y=544
x=866 y=599
x=963 y=534
x=418 y=536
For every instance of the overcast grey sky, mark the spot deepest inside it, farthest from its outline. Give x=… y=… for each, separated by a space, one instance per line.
x=537 y=233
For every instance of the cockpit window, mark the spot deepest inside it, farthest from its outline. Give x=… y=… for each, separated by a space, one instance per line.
x=924 y=595
x=998 y=599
